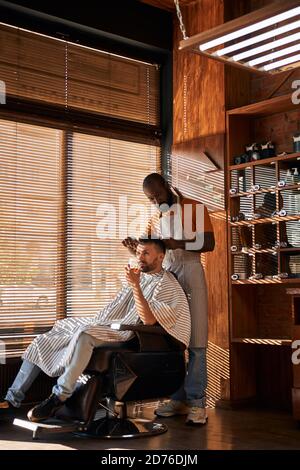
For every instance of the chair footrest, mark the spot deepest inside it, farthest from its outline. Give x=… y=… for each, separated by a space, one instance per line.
x=50 y=426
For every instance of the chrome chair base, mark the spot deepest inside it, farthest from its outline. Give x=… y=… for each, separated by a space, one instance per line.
x=121 y=428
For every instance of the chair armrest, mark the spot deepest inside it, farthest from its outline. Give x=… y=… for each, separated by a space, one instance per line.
x=153 y=329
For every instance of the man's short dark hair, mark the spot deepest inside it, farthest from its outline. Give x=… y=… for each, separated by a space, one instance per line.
x=153 y=178
x=155 y=241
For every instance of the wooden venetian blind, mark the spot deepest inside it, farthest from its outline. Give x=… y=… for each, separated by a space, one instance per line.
x=49 y=70
x=104 y=200
x=29 y=231
x=54 y=181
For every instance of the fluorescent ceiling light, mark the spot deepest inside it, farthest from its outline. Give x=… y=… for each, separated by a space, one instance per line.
x=250 y=29
x=280 y=63
x=256 y=39
x=266 y=47
x=274 y=55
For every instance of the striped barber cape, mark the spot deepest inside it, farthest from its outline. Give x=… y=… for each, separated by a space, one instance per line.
x=52 y=351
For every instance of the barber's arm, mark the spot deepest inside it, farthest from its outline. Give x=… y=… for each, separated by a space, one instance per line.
x=143 y=309
x=130 y=244
x=208 y=243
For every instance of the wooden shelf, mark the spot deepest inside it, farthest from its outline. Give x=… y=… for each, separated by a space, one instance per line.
x=263 y=341
x=265 y=282
x=264 y=161
x=279 y=104
x=266 y=220
x=252 y=251
x=289 y=187
x=261 y=312
x=265 y=250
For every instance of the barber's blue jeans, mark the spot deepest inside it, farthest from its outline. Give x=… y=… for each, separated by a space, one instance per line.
x=66 y=383
x=193 y=390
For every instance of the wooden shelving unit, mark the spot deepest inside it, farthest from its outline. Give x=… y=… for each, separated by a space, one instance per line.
x=261 y=251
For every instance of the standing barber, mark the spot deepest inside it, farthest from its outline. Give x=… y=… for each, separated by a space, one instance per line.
x=174 y=214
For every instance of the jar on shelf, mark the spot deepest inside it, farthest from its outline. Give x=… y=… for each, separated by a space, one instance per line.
x=256 y=277
x=296 y=142
x=267 y=150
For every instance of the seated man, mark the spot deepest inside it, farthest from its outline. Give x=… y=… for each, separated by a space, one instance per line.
x=152 y=297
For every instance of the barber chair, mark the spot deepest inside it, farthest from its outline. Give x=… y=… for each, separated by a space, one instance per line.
x=149 y=366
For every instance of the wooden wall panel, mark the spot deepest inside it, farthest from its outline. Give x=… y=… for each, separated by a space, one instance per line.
x=215 y=266
x=202 y=91
x=166 y=4
x=198 y=78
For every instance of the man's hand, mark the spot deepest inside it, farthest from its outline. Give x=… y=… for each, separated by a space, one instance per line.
x=172 y=244
x=133 y=276
x=131 y=244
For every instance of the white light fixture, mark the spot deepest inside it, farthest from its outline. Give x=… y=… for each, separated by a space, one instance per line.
x=274 y=55
x=267 y=47
x=280 y=63
x=255 y=39
x=261 y=37
x=251 y=29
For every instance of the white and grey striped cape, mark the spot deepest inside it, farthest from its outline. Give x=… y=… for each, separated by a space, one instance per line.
x=52 y=351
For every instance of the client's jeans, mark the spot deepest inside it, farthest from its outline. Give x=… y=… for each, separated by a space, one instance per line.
x=66 y=383
x=193 y=389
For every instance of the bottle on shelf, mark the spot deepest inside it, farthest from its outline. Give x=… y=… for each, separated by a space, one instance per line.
x=283 y=275
x=280 y=276
x=256 y=277
x=255 y=187
x=296 y=143
x=295 y=176
x=282 y=213
x=267 y=149
x=289 y=177
x=238 y=218
x=279 y=244
x=256 y=216
x=242 y=182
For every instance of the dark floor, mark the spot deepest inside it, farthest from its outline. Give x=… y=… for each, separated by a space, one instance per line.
x=226 y=429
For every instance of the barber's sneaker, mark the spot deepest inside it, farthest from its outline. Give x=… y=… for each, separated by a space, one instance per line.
x=196 y=416
x=172 y=408
x=45 y=410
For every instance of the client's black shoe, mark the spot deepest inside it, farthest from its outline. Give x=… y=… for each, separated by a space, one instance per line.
x=45 y=410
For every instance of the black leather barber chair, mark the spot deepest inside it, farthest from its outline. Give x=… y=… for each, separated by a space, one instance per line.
x=149 y=366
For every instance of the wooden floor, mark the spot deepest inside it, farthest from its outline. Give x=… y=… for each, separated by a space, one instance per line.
x=225 y=430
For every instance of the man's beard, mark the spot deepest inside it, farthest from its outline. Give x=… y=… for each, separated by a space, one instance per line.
x=146 y=268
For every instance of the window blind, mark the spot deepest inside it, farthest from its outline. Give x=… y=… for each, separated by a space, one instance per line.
x=29 y=231
x=105 y=181
x=55 y=182
x=43 y=69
